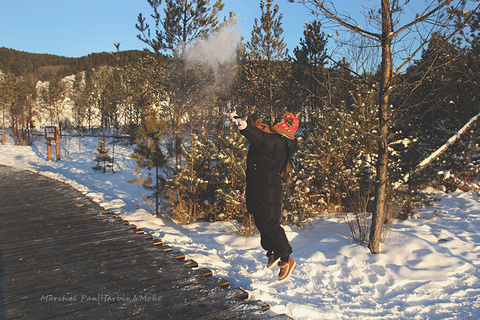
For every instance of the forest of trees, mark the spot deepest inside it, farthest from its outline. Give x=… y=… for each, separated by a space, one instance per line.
x=363 y=129
x=42 y=66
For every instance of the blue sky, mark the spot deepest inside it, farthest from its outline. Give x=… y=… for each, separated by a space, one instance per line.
x=75 y=28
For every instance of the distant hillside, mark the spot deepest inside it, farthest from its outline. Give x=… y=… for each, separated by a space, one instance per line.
x=44 y=65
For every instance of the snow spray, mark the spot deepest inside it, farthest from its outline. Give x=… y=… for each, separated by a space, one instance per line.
x=218 y=51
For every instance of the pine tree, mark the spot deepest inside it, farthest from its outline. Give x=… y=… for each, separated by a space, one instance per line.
x=309 y=68
x=148 y=155
x=103 y=159
x=188 y=195
x=183 y=22
x=265 y=69
x=230 y=160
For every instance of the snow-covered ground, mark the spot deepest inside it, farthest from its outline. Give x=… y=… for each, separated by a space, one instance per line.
x=428 y=268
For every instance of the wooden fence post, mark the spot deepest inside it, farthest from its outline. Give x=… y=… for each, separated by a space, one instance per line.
x=52 y=133
x=57 y=142
x=49 y=150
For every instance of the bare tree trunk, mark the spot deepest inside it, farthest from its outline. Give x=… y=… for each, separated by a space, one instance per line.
x=382 y=161
x=157 y=196
x=178 y=148
x=4 y=140
x=270 y=91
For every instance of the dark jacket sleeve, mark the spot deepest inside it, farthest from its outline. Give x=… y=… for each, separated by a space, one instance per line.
x=255 y=136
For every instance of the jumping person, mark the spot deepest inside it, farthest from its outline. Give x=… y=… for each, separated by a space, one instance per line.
x=269 y=151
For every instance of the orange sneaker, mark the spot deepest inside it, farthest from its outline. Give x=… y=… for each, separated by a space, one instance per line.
x=272 y=259
x=285 y=269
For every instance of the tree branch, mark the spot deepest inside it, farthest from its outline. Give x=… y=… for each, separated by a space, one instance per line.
x=331 y=15
x=457 y=30
x=422 y=18
x=435 y=52
x=438 y=152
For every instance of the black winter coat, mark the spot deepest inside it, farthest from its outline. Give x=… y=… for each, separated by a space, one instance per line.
x=267 y=155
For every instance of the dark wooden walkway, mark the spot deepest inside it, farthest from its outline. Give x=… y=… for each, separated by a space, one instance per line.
x=64 y=257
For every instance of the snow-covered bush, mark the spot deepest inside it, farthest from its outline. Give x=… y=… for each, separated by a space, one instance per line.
x=334 y=157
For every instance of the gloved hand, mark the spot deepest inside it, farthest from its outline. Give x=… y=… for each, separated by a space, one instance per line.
x=240 y=123
x=231 y=115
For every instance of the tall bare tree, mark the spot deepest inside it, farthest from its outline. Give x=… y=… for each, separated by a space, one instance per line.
x=24 y=108
x=8 y=95
x=53 y=97
x=385 y=30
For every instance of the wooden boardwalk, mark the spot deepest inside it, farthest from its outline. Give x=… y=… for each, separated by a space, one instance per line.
x=64 y=257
